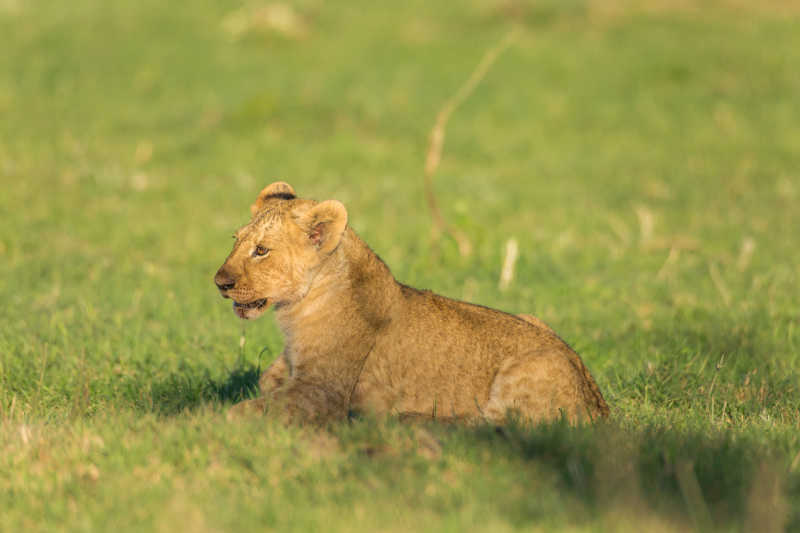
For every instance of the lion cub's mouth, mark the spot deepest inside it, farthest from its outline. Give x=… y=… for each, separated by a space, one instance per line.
x=255 y=304
x=250 y=310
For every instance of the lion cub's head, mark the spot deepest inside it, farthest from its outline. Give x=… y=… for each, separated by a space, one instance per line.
x=277 y=253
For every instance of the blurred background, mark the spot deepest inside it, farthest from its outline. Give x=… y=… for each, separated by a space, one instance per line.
x=643 y=155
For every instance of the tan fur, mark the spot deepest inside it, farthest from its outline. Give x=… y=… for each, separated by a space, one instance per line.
x=357 y=340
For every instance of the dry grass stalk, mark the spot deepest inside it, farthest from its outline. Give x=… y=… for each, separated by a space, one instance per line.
x=615 y=9
x=672 y=258
x=767 y=509
x=646 y=223
x=693 y=495
x=436 y=144
x=716 y=277
x=746 y=253
x=795 y=463
x=507 y=274
x=278 y=18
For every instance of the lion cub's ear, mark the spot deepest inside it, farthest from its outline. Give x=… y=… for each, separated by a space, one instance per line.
x=279 y=189
x=324 y=224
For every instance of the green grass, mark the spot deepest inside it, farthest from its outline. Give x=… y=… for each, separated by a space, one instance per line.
x=636 y=155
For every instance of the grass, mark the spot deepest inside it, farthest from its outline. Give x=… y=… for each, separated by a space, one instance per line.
x=645 y=159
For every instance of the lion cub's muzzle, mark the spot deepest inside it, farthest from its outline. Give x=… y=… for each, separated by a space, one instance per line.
x=224 y=281
x=243 y=304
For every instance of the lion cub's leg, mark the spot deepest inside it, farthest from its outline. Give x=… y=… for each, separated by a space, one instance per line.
x=538 y=387
x=245 y=408
x=299 y=401
x=274 y=376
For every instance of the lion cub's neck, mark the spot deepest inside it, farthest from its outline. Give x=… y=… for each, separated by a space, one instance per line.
x=349 y=301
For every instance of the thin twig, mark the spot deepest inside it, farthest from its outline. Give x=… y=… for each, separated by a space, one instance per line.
x=434 y=156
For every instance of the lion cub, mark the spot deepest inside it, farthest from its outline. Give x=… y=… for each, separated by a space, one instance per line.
x=357 y=340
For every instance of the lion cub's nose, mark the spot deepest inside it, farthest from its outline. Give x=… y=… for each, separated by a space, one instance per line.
x=223 y=280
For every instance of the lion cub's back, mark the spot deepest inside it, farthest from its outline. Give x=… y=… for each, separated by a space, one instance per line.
x=440 y=355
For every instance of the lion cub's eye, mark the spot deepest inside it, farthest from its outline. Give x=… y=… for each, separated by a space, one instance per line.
x=260 y=251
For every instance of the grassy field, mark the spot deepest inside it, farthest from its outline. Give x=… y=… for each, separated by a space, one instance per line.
x=645 y=158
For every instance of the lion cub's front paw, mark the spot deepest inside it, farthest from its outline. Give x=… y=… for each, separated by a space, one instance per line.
x=247 y=408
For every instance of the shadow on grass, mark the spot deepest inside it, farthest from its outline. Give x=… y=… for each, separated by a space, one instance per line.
x=704 y=479
x=188 y=389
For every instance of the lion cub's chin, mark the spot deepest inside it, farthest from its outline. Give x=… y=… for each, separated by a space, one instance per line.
x=250 y=310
